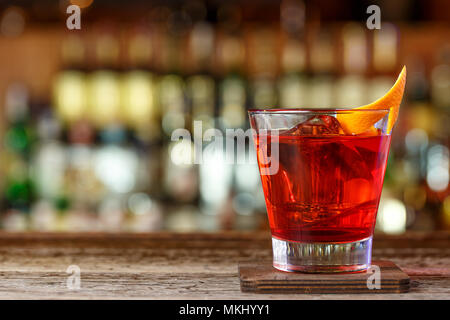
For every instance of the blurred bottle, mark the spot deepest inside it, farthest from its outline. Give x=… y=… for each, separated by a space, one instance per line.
x=410 y=172
x=351 y=89
x=19 y=138
x=102 y=109
x=179 y=178
x=438 y=176
x=293 y=82
x=201 y=93
x=116 y=163
x=172 y=103
x=118 y=167
x=104 y=100
x=354 y=48
x=323 y=65
x=263 y=67
x=57 y=166
x=232 y=57
x=69 y=86
x=385 y=49
x=292 y=85
x=440 y=81
x=171 y=63
x=232 y=101
x=82 y=184
x=215 y=174
x=49 y=162
x=200 y=84
x=138 y=105
x=180 y=174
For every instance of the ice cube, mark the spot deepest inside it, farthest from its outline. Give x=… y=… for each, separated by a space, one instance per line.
x=352 y=163
x=317 y=125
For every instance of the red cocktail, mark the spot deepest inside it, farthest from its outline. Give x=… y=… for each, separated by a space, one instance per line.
x=322 y=186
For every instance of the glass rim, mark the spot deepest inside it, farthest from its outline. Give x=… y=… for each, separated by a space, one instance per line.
x=314 y=110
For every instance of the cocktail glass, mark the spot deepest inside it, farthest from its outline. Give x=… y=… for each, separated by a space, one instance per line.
x=322 y=186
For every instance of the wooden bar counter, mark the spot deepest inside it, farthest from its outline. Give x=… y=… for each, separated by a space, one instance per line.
x=187 y=266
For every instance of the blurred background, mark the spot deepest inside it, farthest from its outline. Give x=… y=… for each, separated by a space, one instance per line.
x=87 y=115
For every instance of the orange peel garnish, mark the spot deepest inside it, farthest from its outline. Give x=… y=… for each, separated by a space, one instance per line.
x=356 y=123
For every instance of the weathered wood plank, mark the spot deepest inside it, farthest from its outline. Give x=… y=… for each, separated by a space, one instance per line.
x=186 y=266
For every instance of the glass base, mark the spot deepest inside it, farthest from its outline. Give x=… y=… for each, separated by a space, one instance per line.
x=322 y=257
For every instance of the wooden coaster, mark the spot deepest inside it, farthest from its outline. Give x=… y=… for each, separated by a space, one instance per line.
x=262 y=277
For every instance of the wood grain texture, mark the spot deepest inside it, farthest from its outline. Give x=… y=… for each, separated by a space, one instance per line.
x=261 y=277
x=187 y=266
